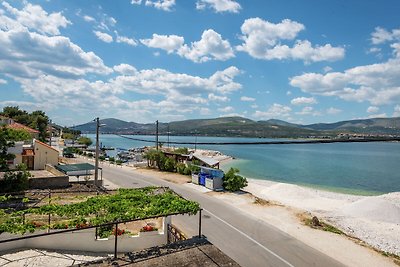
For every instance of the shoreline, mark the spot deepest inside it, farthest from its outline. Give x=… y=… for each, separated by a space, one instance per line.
x=339 y=190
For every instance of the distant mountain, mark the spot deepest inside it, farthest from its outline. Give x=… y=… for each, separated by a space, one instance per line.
x=375 y=125
x=243 y=127
x=281 y=123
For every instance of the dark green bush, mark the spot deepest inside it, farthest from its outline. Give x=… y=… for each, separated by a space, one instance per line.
x=234 y=182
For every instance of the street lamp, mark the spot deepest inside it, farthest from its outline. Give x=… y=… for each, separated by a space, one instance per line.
x=96 y=169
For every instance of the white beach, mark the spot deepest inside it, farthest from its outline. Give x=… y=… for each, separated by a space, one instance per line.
x=373 y=219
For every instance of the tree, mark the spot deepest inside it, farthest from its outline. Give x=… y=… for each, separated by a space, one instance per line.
x=85 y=141
x=5 y=143
x=169 y=165
x=8 y=137
x=15 y=181
x=234 y=182
x=36 y=120
x=40 y=121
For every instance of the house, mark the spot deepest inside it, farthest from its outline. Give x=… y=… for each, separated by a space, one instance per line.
x=44 y=154
x=10 y=123
x=34 y=155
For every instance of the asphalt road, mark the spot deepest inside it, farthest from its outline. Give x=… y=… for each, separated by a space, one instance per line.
x=246 y=239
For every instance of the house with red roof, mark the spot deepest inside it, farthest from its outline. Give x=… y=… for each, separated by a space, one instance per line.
x=10 y=123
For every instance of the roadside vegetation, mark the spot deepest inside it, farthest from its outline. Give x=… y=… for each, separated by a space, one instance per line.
x=232 y=181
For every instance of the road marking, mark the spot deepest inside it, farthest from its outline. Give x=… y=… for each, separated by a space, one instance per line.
x=252 y=239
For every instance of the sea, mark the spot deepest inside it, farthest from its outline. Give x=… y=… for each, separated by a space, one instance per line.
x=354 y=168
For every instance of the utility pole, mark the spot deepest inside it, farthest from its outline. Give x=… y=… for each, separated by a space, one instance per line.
x=157 y=134
x=168 y=135
x=96 y=169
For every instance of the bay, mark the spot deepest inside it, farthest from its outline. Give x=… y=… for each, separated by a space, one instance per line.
x=356 y=168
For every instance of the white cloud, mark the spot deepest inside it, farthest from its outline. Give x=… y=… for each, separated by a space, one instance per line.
x=204 y=111
x=169 y=43
x=219 y=6
x=2 y=81
x=125 y=69
x=372 y=109
x=37 y=19
x=303 y=101
x=327 y=69
x=274 y=111
x=136 y=2
x=165 y=5
x=381 y=35
x=308 y=111
x=378 y=83
x=262 y=40
x=218 y=98
x=288 y=92
x=226 y=109
x=210 y=47
x=248 y=99
x=126 y=40
x=396 y=112
x=105 y=22
x=105 y=37
x=28 y=54
x=25 y=105
x=333 y=111
x=374 y=50
x=254 y=106
x=160 y=81
x=88 y=18
x=382 y=115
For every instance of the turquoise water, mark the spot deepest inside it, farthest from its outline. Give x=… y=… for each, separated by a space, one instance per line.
x=358 y=168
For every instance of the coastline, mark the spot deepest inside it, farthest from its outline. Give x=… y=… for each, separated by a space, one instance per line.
x=373 y=218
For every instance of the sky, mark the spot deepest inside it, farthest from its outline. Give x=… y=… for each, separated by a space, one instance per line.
x=144 y=60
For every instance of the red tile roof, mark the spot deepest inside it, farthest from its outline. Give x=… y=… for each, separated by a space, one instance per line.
x=46 y=145
x=19 y=126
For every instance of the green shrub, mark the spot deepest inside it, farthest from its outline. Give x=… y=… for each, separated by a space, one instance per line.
x=182 y=150
x=180 y=168
x=15 y=181
x=234 y=182
x=169 y=165
x=90 y=155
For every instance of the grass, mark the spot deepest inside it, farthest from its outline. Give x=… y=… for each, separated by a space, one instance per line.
x=323 y=226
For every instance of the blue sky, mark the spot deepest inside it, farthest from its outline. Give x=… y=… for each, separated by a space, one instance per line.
x=299 y=61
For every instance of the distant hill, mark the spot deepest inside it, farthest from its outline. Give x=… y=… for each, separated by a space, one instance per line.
x=243 y=127
x=376 y=125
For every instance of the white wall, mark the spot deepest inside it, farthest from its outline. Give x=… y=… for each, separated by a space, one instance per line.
x=84 y=240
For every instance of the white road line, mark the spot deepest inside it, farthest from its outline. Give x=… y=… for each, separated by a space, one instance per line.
x=252 y=239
